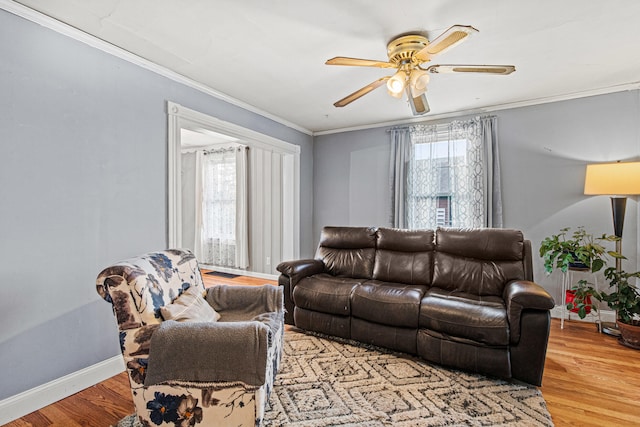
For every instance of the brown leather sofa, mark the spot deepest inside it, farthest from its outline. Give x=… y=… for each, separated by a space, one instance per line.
x=460 y=298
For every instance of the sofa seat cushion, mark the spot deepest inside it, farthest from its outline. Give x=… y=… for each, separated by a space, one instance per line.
x=464 y=354
x=482 y=319
x=392 y=304
x=392 y=337
x=325 y=293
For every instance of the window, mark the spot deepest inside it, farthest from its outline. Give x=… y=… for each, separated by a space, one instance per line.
x=434 y=182
x=446 y=175
x=219 y=207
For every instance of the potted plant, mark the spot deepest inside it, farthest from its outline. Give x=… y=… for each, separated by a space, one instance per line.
x=625 y=300
x=578 y=298
x=579 y=250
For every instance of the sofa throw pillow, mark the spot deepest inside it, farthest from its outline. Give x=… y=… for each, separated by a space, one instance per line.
x=190 y=306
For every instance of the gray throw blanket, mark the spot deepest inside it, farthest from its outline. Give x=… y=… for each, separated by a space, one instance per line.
x=233 y=349
x=236 y=303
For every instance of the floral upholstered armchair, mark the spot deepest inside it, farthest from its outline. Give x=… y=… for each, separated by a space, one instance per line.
x=194 y=355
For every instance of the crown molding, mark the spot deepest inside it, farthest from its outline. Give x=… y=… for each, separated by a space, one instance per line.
x=536 y=101
x=79 y=35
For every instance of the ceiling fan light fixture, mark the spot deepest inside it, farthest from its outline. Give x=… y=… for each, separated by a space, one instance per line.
x=397 y=83
x=396 y=95
x=418 y=81
x=406 y=53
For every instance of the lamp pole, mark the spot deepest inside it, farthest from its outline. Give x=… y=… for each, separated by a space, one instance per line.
x=618 y=207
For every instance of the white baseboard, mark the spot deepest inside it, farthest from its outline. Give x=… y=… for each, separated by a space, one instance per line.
x=36 y=398
x=605 y=315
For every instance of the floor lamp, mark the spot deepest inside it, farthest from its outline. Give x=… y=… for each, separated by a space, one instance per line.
x=617 y=180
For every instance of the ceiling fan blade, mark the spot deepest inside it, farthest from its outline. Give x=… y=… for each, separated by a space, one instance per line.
x=419 y=104
x=361 y=92
x=482 y=69
x=357 y=62
x=445 y=41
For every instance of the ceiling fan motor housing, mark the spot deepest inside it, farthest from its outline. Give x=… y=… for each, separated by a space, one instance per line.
x=401 y=50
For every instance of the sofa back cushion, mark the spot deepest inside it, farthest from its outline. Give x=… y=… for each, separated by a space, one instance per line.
x=404 y=256
x=348 y=251
x=478 y=261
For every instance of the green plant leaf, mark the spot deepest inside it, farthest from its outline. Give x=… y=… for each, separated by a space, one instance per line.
x=616 y=255
x=582 y=312
x=597 y=265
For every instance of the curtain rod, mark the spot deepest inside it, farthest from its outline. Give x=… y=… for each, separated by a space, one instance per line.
x=426 y=123
x=225 y=149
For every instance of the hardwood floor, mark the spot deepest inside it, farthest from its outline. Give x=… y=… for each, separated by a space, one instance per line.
x=589 y=380
x=210 y=280
x=102 y=405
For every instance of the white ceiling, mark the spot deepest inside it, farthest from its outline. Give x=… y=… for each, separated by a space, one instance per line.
x=270 y=54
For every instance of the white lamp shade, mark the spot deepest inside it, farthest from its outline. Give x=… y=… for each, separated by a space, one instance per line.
x=397 y=83
x=418 y=81
x=615 y=179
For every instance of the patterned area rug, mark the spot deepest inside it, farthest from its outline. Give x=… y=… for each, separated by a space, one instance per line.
x=326 y=382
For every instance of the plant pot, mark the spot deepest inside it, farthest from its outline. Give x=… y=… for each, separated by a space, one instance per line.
x=570 y=296
x=578 y=266
x=630 y=334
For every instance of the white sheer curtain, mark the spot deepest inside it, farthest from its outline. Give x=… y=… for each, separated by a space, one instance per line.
x=222 y=217
x=450 y=177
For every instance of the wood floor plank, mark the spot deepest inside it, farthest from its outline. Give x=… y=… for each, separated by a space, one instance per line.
x=589 y=380
x=210 y=280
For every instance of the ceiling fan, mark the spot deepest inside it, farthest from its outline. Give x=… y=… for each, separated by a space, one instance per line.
x=406 y=54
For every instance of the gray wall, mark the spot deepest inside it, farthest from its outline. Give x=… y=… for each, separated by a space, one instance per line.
x=351 y=179
x=544 y=150
x=83 y=142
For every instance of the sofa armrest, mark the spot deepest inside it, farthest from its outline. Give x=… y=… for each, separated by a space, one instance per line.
x=299 y=269
x=209 y=352
x=292 y=273
x=520 y=295
x=135 y=342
